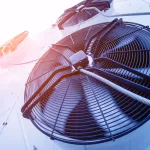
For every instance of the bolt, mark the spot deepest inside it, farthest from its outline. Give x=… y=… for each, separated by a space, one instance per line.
x=5 y=123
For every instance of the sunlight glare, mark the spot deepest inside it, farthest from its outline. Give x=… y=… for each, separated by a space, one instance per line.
x=32 y=15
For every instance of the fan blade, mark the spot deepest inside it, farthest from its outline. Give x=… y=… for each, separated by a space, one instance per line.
x=55 y=100
x=81 y=120
x=112 y=107
x=72 y=115
x=125 y=42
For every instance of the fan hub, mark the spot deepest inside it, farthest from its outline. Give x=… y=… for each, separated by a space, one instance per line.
x=79 y=59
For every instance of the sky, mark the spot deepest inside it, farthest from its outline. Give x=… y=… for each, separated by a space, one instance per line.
x=32 y=15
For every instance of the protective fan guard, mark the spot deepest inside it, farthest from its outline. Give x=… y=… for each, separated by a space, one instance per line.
x=86 y=34
x=81 y=12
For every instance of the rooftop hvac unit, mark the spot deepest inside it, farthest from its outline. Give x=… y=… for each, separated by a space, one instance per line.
x=93 y=86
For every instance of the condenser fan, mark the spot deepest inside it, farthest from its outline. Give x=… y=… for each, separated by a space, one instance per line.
x=81 y=12
x=94 y=86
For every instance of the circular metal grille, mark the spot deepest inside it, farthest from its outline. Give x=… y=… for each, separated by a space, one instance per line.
x=81 y=12
x=76 y=108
